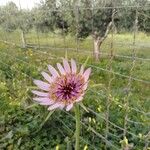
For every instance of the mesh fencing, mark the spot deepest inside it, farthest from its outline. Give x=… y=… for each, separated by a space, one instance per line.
x=118 y=111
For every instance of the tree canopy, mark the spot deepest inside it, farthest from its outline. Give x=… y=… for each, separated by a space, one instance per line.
x=73 y=15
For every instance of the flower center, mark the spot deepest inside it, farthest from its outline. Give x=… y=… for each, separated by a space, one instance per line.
x=67 y=88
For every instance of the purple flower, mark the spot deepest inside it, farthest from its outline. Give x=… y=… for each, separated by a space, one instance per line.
x=64 y=88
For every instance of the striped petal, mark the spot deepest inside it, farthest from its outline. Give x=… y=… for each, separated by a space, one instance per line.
x=61 y=69
x=42 y=99
x=73 y=66
x=81 y=70
x=47 y=103
x=53 y=71
x=66 y=66
x=42 y=94
x=54 y=106
x=69 y=107
x=47 y=77
x=42 y=85
x=87 y=74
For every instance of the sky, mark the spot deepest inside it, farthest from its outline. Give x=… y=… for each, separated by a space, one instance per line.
x=26 y=4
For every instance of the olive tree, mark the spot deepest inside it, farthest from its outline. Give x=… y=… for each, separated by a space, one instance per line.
x=24 y=24
x=11 y=18
x=94 y=18
x=8 y=17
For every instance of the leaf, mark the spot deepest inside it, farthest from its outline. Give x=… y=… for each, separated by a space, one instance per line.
x=66 y=54
x=84 y=107
x=19 y=141
x=31 y=106
x=45 y=120
x=96 y=85
x=86 y=61
x=8 y=136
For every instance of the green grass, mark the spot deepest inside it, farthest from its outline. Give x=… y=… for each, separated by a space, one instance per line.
x=21 y=120
x=122 y=43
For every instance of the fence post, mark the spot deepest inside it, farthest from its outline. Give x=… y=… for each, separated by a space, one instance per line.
x=128 y=87
x=76 y=10
x=23 y=39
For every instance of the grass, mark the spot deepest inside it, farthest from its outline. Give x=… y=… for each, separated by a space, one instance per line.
x=21 y=119
x=123 y=43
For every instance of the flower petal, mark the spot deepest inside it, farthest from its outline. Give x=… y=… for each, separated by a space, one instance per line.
x=87 y=74
x=47 y=103
x=79 y=99
x=42 y=85
x=41 y=99
x=62 y=106
x=66 y=66
x=81 y=70
x=73 y=66
x=61 y=69
x=47 y=77
x=53 y=71
x=69 y=107
x=54 y=106
x=85 y=86
x=42 y=94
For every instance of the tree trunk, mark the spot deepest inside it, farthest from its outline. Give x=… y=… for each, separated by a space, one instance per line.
x=98 y=40
x=23 y=40
x=97 y=45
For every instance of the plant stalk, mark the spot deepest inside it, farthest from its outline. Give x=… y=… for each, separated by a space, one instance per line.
x=77 y=134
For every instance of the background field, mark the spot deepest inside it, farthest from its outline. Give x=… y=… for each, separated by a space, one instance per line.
x=25 y=124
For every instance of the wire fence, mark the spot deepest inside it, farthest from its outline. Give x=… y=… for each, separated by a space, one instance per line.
x=112 y=133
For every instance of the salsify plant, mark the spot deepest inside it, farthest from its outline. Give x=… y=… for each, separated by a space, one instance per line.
x=63 y=88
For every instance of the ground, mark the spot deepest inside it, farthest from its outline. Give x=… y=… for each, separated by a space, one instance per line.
x=118 y=88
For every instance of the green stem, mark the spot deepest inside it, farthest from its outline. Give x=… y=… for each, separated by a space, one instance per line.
x=77 y=134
